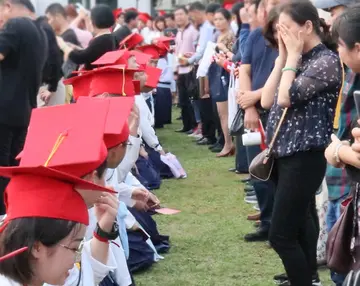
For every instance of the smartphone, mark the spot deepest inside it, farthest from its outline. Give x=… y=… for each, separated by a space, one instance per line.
x=357 y=101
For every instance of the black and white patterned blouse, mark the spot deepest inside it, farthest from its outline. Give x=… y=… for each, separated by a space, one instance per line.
x=313 y=95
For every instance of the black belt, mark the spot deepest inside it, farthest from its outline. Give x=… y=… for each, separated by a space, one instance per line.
x=163 y=82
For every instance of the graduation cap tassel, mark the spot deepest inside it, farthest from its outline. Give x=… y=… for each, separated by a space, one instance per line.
x=14 y=253
x=123 y=83
x=57 y=144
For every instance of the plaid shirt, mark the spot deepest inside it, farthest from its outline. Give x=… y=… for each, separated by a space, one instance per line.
x=338 y=182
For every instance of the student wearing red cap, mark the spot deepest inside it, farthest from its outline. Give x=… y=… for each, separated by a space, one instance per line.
x=58 y=162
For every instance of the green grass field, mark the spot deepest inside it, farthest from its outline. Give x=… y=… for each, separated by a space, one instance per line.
x=207 y=236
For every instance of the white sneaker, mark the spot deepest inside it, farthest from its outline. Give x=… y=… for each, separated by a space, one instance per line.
x=256 y=207
x=251 y=200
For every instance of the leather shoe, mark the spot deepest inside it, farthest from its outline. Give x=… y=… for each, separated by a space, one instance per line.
x=259 y=235
x=245 y=180
x=255 y=216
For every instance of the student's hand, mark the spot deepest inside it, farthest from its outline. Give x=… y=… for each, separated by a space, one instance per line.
x=244 y=16
x=237 y=72
x=251 y=118
x=153 y=201
x=222 y=47
x=246 y=99
x=356 y=133
x=140 y=194
x=294 y=43
x=143 y=153
x=141 y=206
x=61 y=43
x=106 y=209
x=183 y=61
x=134 y=121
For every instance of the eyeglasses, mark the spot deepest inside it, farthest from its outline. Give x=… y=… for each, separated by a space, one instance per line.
x=126 y=143
x=77 y=251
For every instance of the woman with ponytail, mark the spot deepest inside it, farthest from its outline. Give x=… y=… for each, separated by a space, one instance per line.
x=305 y=84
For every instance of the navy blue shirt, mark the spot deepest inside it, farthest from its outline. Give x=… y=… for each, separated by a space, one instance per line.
x=260 y=56
x=308 y=123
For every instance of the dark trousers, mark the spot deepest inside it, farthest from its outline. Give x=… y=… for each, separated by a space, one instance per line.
x=220 y=134
x=12 y=141
x=241 y=162
x=264 y=192
x=294 y=231
x=163 y=106
x=187 y=112
x=207 y=119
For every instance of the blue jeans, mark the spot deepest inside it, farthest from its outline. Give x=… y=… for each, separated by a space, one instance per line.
x=333 y=214
x=265 y=191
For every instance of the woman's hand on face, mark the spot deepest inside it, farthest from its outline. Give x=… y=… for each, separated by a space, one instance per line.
x=106 y=209
x=294 y=44
x=282 y=49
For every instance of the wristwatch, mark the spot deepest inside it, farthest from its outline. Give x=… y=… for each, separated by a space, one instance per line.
x=108 y=235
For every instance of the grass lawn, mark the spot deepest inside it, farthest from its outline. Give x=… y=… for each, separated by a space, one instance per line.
x=207 y=236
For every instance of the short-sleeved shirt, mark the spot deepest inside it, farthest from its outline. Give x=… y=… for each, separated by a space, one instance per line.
x=260 y=56
x=23 y=43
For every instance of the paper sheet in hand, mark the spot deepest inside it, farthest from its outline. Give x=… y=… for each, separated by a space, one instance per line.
x=167 y=211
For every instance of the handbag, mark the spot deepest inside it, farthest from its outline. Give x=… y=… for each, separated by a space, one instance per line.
x=338 y=249
x=237 y=126
x=262 y=165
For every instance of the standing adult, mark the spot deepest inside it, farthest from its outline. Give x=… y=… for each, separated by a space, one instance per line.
x=23 y=45
x=186 y=38
x=206 y=31
x=57 y=19
x=130 y=23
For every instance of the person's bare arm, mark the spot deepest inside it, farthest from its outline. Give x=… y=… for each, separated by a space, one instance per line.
x=272 y=83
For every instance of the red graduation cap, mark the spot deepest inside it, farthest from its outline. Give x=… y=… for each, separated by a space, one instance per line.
x=117 y=12
x=161 y=13
x=131 y=41
x=153 y=76
x=119 y=57
x=131 y=9
x=144 y=17
x=141 y=58
x=80 y=83
x=46 y=193
x=116 y=126
x=62 y=130
x=114 y=79
x=151 y=50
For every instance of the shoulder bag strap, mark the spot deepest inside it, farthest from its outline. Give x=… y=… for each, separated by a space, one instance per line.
x=271 y=145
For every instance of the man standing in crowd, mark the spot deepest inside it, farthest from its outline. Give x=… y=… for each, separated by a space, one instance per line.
x=130 y=19
x=257 y=63
x=56 y=16
x=23 y=51
x=206 y=34
x=186 y=38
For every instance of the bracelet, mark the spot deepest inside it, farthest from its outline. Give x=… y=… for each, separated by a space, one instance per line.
x=99 y=238
x=336 y=153
x=289 y=69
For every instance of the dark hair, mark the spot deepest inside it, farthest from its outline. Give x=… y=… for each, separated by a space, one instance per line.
x=25 y=3
x=302 y=11
x=102 y=16
x=212 y=7
x=347 y=26
x=55 y=9
x=130 y=15
x=235 y=10
x=197 y=6
x=268 y=31
x=25 y=232
x=169 y=15
x=101 y=169
x=182 y=7
x=159 y=19
x=225 y=13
